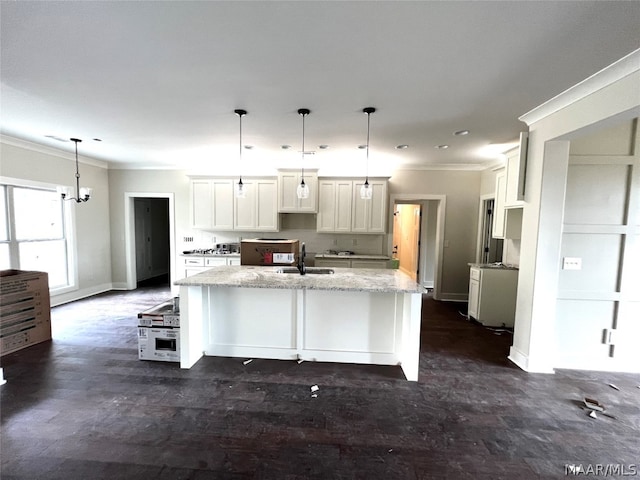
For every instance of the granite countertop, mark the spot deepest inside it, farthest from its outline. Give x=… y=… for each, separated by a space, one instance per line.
x=344 y=279
x=349 y=257
x=494 y=266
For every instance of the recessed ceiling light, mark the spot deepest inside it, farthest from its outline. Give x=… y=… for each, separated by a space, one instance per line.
x=248 y=147
x=97 y=139
x=402 y=147
x=362 y=147
x=285 y=147
x=323 y=147
x=461 y=132
x=441 y=147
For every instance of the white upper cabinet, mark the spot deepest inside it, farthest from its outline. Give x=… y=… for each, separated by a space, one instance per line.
x=516 y=169
x=341 y=210
x=498 y=207
x=211 y=204
x=370 y=216
x=257 y=211
x=334 y=205
x=215 y=207
x=288 y=201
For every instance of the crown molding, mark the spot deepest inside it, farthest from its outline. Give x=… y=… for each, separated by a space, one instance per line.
x=46 y=150
x=625 y=66
x=470 y=167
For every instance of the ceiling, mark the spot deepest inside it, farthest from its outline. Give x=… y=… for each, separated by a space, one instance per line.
x=158 y=82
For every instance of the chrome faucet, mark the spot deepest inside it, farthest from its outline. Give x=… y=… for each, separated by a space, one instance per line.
x=303 y=253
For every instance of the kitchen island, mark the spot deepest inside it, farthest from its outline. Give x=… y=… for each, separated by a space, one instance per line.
x=366 y=316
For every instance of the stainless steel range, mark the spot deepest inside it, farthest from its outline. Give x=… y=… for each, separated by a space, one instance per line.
x=219 y=249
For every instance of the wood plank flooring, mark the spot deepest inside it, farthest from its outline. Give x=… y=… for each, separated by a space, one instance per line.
x=84 y=407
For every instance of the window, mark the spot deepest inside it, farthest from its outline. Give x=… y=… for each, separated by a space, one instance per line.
x=34 y=233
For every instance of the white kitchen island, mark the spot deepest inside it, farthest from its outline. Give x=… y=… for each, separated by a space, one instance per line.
x=365 y=316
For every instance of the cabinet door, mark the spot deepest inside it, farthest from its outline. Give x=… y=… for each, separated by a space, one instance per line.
x=498 y=214
x=287 y=197
x=344 y=206
x=377 y=222
x=369 y=216
x=266 y=205
x=332 y=263
x=214 y=261
x=334 y=206
x=368 y=263
x=288 y=201
x=474 y=298
x=201 y=204
x=244 y=210
x=233 y=261
x=222 y=195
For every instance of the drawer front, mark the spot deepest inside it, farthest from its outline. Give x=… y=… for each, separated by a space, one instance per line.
x=475 y=273
x=194 y=262
x=215 y=262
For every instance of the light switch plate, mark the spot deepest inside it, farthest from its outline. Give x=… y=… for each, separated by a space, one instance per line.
x=572 y=263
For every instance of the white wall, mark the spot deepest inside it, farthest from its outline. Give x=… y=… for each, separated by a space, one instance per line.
x=27 y=161
x=462 y=190
x=604 y=99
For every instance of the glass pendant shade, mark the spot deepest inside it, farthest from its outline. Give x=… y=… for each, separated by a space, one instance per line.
x=241 y=190
x=366 y=192
x=85 y=193
x=303 y=190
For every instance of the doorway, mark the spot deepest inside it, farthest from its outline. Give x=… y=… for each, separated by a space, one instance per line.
x=418 y=233
x=489 y=248
x=406 y=238
x=152 y=241
x=135 y=240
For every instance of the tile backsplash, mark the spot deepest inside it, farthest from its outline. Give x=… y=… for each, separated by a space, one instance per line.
x=293 y=226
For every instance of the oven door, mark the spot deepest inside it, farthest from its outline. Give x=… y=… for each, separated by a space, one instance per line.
x=161 y=344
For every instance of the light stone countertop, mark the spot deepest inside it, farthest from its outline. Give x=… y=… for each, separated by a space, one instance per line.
x=351 y=257
x=232 y=255
x=493 y=266
x=344 y=279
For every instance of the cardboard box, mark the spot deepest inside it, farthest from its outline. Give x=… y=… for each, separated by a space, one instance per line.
x=166 y=314
x=269 y=252
x=25 y=309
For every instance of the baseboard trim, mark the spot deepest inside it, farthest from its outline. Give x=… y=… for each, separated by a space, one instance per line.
x=524 y=362
x=453 y=297
x=80 y=294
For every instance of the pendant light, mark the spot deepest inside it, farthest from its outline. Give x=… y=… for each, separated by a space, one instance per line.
x=303 y=189
x=366 y=192
x=82 y=194
x=241 y=191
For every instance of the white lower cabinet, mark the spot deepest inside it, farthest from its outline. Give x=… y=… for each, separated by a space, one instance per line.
x=195 y=265
x=492 y=296
x=350 y=263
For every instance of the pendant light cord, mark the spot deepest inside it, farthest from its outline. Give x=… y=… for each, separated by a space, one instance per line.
x=368 y=132
x=302 y=179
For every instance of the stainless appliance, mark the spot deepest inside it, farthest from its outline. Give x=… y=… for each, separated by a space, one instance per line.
x=219 y=249
x=159 y=332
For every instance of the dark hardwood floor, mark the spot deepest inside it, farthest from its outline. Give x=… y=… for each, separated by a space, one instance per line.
x=84 y=407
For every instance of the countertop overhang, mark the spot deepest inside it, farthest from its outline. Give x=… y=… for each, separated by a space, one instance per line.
x=344 y=279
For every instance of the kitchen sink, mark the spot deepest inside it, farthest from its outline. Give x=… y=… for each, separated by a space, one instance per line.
x=309 y=271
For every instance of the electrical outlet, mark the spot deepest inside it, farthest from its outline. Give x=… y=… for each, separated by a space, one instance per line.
x=335 y=242
x=572 y=263
x=354 y=242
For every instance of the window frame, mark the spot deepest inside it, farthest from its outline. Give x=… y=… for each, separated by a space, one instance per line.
x=68 y=231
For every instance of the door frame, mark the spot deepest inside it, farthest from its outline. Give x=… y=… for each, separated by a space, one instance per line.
x=422 y=198
x=130 y=237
